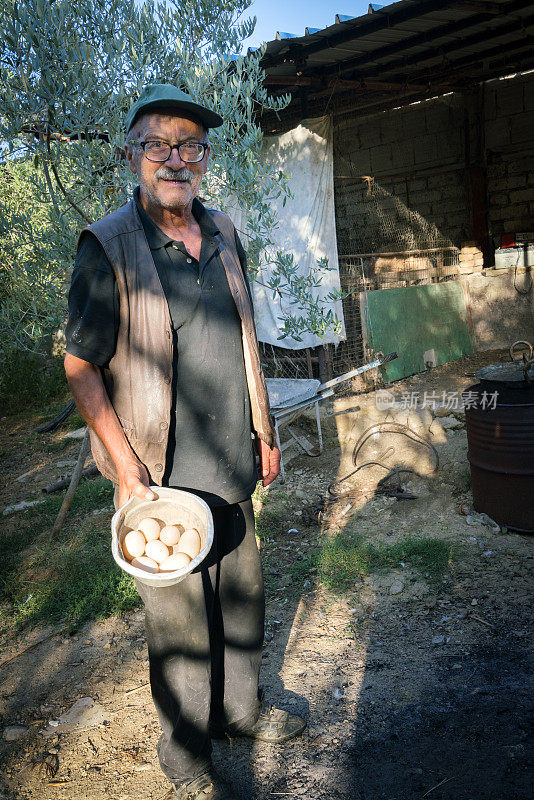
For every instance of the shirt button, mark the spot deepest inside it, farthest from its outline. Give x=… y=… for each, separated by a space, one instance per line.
x=189 y=260
x=159 y=467
x=166 y=380
x=163 y=426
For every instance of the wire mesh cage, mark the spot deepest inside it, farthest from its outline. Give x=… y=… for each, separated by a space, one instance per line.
x=382 y=244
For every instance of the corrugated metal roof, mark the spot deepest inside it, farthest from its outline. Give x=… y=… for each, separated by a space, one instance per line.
x=410 y=48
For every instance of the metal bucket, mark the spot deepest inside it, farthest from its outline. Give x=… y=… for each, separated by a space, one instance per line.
x=501 y=456
x=170 y=507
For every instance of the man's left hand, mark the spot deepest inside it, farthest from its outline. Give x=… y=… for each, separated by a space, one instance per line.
x=269 y=462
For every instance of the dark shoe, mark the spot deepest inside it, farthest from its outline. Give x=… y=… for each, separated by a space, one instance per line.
x=205 y=787
x=273 y=725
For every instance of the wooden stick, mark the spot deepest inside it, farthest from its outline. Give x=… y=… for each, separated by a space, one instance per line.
x=74 y=481
x=25 y=649
x=445 y=780
x=137 y=689
x=62 y=483
x=479 y=619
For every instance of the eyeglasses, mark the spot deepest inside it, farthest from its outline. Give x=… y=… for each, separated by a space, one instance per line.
x=190 y=152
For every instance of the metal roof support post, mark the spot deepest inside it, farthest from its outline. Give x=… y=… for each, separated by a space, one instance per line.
x=475 y=170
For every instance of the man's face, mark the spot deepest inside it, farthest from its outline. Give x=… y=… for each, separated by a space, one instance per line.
x=172 y=184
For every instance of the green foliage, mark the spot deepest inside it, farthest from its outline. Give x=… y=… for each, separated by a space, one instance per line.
x=72 y=579
x=346 y=558
x=29 y=381
x=69 y=71
x=32 y=274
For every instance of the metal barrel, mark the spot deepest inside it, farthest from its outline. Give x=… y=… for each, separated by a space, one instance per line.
x=501 y=457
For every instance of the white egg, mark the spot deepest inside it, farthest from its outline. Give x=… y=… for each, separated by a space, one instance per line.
x=133 y=544
x=150 y=527
x=157 y=550
x=146 y=563
x=174 y=562
x=189 y=543
x=170 y=534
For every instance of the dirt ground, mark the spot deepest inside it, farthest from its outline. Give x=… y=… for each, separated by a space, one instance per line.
x=412 y=687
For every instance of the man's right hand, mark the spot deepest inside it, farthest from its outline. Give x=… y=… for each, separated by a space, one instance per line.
x=134 y=482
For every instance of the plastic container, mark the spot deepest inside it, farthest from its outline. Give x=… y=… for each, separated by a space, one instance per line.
x=518 y=256
x=171 y=506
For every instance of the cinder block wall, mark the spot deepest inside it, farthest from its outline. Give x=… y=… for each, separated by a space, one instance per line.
x=418 y=159
x=415 y=157
x=509 y=143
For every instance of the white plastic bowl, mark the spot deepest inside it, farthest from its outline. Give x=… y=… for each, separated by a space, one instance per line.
x=170 y=507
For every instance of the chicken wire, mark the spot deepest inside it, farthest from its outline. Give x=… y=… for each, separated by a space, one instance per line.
x=387 y=246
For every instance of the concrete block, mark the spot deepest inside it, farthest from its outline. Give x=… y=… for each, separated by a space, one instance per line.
x=510 y=98
x=508 y=183
x=469 y=250
x=497 y=170
x=361 y=162
x=519 y=195
x=522 y=126
x=390 y=130
x=424 y=209
x=513 y=224
x=465 y=269
x=517 y=210
x=497 y=133
x=528 y=95
x=417 y=184
x=369 y=136
x=439 y=117
x=414 y=122
x=382 y=158
x=498 y=199
x=425 y=150
x=519 y=167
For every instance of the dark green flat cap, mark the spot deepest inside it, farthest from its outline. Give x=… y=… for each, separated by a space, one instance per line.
x=165 y=96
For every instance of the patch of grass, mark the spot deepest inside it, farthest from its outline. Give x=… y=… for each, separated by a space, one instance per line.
x=268 y=525
x=348 y=557
x=72 y=579
x=57 y=445
x=271 y=522
x=72 y=423
x=91 y=494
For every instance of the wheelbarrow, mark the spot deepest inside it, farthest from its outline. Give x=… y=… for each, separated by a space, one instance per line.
x=290 y=397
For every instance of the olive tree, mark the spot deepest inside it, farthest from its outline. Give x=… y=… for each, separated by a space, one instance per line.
x=69 y=71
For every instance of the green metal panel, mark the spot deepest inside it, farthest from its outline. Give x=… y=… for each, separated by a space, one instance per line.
x=414 y=319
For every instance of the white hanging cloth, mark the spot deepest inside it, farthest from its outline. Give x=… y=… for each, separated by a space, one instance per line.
x=306 y=228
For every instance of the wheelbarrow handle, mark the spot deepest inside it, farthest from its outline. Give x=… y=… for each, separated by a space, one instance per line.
x=352 y=374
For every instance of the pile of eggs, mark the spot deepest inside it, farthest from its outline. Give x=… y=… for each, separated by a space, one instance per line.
x=160 y=548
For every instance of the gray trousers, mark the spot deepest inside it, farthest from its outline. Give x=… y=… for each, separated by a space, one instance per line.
x=204 y=638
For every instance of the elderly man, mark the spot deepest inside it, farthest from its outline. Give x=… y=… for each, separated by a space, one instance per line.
x=163 y=363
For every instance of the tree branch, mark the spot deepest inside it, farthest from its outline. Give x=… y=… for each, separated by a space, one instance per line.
x=66 y=194
x=48 y=179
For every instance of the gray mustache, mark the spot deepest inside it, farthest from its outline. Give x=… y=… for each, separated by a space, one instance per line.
x=168 y=174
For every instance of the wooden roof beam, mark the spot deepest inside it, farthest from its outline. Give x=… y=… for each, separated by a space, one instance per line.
x=342 y=84
x=498 y=54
